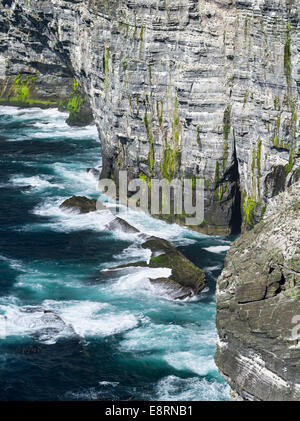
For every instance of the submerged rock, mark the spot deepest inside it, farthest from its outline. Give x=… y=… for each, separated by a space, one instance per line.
x=81 y=203
x=258 y=306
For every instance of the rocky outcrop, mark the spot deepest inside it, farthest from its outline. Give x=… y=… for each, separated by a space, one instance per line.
x=80 y=203
x=185 y=281
x=119 y=224
x=198 y=88
x=258 y=306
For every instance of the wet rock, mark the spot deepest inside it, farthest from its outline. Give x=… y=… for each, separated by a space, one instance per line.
x=185 y=276
x=80 y=203
x=119 y=224
x=158 y=245
x=186 y=279
x=82 y=117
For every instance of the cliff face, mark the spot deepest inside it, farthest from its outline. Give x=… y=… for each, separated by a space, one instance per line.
x=258 y=306
x=195 y=88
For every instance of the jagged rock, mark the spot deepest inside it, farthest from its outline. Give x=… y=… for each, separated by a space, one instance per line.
x=198 y=89
x=258 y=306
x=80 y=203
x=157 y=245
x=186 y=279
x=95 y=171
x=121 y=225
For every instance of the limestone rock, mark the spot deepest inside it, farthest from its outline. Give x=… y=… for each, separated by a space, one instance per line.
x=195 y=88
x=258 y=306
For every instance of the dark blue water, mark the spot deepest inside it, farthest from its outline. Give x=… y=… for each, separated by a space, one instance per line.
x=105 y=335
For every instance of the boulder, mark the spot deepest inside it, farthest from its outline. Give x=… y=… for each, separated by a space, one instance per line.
x=80 y=203
x=119 y=224
x=186 y=279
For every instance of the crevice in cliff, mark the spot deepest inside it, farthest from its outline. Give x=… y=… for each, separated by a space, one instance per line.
x=235 y=222
x=281 y=284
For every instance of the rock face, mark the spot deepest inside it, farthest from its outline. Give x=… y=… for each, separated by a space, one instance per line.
x=194 y=88
x=31 y=74
x=258 y=306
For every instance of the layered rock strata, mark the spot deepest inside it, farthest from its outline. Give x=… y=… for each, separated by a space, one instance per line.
x=181 y=88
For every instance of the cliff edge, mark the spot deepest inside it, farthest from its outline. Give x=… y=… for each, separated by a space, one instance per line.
x=196 y=89
x=258 y=306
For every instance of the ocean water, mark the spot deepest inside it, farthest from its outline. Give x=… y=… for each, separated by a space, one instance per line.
x=69 y=329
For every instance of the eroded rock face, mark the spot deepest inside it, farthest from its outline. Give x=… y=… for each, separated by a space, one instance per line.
x=258 y=306
x=198 y=88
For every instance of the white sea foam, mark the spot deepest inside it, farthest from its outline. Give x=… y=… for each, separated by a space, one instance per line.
x=70 y=220
x=139 y=280
x=172 y=388
x=134 y=253
x=217 y=249
x=156 y=227
x=63 y=131
x=184 y=338
x=93 y=321
x=191 y=361
x=30 y=320
x=84 y=182
x=105 y=383
x=61 y=320
x=29 y=112
x=93 y=393
x=49 y=123
x=37 y=182
x=13 y=263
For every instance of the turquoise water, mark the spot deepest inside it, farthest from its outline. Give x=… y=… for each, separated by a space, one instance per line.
x=108 y=336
